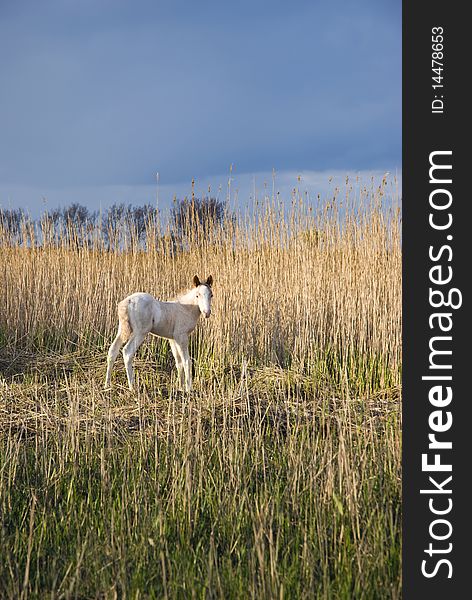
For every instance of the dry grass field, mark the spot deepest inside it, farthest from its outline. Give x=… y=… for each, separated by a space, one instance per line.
x=278 y=477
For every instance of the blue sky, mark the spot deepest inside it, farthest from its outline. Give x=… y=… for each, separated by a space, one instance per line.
x=99 y=95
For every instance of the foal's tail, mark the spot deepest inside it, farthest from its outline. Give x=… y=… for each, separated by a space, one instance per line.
x=125 y=325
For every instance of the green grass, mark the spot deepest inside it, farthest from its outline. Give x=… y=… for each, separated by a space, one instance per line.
x=258 y=485
x=278 y=478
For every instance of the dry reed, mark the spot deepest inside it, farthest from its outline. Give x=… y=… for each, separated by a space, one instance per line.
x=278 y=478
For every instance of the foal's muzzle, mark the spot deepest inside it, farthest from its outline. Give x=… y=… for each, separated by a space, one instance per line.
x=207 y=314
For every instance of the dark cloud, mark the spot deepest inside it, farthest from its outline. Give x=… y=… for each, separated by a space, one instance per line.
x=104 y=93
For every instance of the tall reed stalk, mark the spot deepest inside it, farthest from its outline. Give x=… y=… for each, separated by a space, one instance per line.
x=279 y=477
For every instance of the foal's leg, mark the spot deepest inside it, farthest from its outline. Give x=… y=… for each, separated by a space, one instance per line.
x=178 y=362
x=129 y=351
x=182 y=347
x=112 y=354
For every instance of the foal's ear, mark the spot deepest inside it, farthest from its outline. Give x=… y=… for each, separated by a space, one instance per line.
x=196 y=281
x=209 y=281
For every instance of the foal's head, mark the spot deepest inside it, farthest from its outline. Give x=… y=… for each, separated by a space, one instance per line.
x=203 y=294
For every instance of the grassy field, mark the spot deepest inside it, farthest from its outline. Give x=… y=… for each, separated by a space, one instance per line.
x=278 y=477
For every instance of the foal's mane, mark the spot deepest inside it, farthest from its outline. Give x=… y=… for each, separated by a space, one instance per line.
x=184 y=293
x=181 y=294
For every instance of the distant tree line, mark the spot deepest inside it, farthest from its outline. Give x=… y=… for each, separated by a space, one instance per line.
x=194 y=217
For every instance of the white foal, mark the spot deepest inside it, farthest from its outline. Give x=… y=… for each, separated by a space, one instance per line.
x=140 y=314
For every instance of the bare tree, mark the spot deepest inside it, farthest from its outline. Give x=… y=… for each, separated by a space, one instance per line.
x=197 y=217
